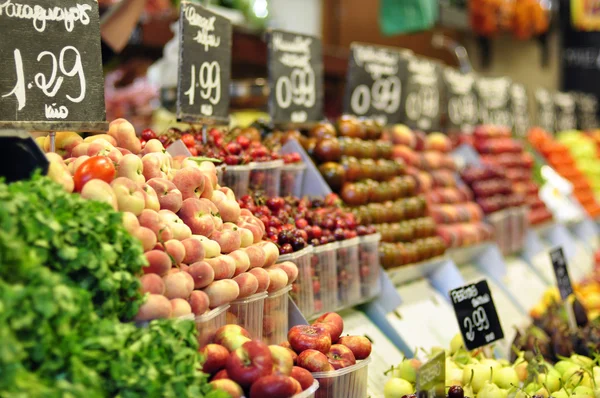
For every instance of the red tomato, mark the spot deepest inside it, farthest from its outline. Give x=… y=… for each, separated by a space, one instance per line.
x=188 y=140
x=96 y=167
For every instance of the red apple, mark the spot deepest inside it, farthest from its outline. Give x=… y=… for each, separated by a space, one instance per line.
x=314 y=361
x=273 y=386
x=303 y=376
x=216 y=358
x=340 y=356
x=359 y=345
x=229 y=386
x=249 y=363
x=334 y=324
x=297 y=385
x=303 y=337
x=221 y=374
x=230 y=329
x=282 y=360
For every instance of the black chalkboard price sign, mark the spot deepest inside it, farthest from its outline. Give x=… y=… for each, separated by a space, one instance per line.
x=476 y=315
x=461 y=101
x=544 y=109
x=431 y=378
x=204 y=65
x=563 y=281
x=295 y=63
x=374 y=83
x=421 y=94
x=587 y=111
x=519 y=103
x=564 y=112
x=493 y=94
x=51 y=66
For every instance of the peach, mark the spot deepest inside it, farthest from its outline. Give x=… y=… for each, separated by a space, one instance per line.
x=178 y=285
x=247 y=283
x=131 y=166
x=253 y=225
x=194 y=251
x=228 y=193
x=246 y=236
x=153 y=146
x=130 y=222
x=271 y=253
x=106 y=137
x=228 y=209
x=150 y=197
x=190 y=181
x=210 y=171
x=124 y=133
x=224 y=266
x=156 y=165
x=211 y=248
x=124 y=151
x=146 y=236
x=179 y=229
x=153 y=284
x=168 y=195
x=256 y=255
x=198 y=215
x=263 y=279
x=199 y=302
x=290 y=269
x=202 y=273
x=79 y=150
x=208 y=187
x=100 y=191
x=228 y=386
x=73 y=166
x=150 y=219
x=129 y=195
x=64 y=143
x=278 y=279
x=102 y=147
x=176 y=250
x=59 y=172
x=159 y=262
x=222 y=292
x=242 y=261
x=155 y=307
x=180 y=307
x=229 y=240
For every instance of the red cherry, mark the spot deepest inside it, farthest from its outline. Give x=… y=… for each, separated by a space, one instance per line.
x=233 y=148
x=143 y=142
x=193 y=150
x=243 y=141
x=188 y=140
x=232 y=160
x=148 y=134
x=301 y=223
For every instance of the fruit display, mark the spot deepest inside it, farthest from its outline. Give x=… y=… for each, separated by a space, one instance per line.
x=203 y=251
x=584 y=151
x=524 y=19
x=239 y=363
x=497 y=148
x=560 y=158
x=458 y=220
x=69 y=288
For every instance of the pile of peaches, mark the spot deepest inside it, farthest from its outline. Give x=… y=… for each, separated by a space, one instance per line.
x=240 y=365
x=203 y=250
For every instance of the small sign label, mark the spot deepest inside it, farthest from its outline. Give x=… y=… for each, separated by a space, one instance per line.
x=476 y=315
x=421 y=94
x=51 y=65
x=519 y=103
x=563 y=281
x=374 y=84
x=431 y=378
x=493 y=94
x=587 y=111
x=544 y=109
x=204 y=65
x=461 y=101
x=564 y=111
x=295 y=77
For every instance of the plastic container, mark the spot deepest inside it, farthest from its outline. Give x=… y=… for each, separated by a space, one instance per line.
x=500 y=220
x=519 y=225
x=302 y=288
x=266 y=177
x=323 y=268
x=248 y=313
x=368 y=263
x=237 y=178
x=292 y=178
x=348 y=278
x=207 y=324
x=275 y=317
x=309 y=392
x=350 y=382
x=220 y=170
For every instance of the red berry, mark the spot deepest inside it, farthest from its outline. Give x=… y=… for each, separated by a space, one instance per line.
x=188 y=140
x=317 y=232
x=148 y=134
x=233 y=148
x=243 y=141
x=301 y=223
x=232 y=160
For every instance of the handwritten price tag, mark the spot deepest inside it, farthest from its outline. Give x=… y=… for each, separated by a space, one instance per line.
x=563 y=280
x=431 y=379
x=374 y=84
x=564 y=112
x=461 y=101
x=493 y=94
x=476 y=314
x=204 y=65
x=421 y=94
x=519 y=103
x=295 y=77
x=544 y=109
x=51 y=65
